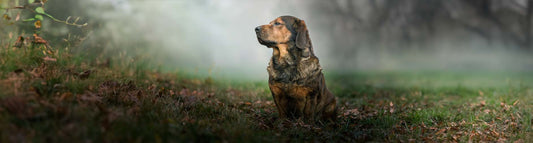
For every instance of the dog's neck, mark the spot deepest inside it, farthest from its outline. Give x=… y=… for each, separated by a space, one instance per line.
x=281 y=55
x=288 y=68
x=280 y=50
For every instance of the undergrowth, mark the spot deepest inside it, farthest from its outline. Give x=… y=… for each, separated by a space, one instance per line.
x=59 y=97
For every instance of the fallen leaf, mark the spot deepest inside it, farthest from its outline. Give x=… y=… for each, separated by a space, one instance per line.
x=90 y=97
x=455 y=137
x=494 y=133
x=65 y=95
x=18 y=17
x=38 y=40
x=171 y=92
x=440 y=131
x=453 y=124
x=49 y=59
x=19 y=42
x=351 y=112
x=85 y=74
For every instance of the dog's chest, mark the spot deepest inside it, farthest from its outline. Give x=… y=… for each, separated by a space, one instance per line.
x=291 y=90
x=301 y=72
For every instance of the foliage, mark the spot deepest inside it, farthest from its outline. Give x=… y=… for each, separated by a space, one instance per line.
x=37 y=8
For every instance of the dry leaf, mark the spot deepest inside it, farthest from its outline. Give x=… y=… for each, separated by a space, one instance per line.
x=65 y=95
x=18 y=17
x=49 y=59
x=19 y=42
x=38 y=40
x=90 y=97
x=172 y=92
x=440 y=131
x=351 y=112
x=85 y=74
x=37 y=24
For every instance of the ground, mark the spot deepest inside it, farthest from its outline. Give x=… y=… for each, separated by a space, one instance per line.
x=55 y=96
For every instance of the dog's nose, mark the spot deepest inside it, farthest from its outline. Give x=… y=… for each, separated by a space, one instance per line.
x=257 y=29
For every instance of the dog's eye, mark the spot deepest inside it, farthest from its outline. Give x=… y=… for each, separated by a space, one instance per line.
x=277 y=23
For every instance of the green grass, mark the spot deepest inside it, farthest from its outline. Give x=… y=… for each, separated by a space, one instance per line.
x=49 y=101
x=477 y=106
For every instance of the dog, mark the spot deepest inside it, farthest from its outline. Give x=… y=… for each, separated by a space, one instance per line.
x=295 y=76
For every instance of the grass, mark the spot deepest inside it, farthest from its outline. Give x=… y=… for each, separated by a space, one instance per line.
x=72 y=99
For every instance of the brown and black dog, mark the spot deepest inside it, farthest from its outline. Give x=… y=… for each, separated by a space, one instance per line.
x=295 y=76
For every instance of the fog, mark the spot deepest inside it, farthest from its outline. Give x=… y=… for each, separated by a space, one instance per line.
x=216 y=37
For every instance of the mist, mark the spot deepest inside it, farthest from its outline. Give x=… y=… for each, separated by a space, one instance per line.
x=198 y=36
x=216 y=37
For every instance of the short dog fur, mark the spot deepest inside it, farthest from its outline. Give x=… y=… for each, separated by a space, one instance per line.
x=295 y=76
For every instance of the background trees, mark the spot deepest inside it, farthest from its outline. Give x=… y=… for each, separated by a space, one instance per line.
x=435 y=26
x=348 y=34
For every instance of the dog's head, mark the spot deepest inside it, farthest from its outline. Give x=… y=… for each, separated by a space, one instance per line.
x=285 y=30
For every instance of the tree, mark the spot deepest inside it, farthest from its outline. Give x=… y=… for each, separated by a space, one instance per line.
x=412 y=21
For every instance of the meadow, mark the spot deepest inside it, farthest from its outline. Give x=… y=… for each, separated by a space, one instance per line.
x=51 y=95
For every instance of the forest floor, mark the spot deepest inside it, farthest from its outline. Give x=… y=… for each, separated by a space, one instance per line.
x=56 y=97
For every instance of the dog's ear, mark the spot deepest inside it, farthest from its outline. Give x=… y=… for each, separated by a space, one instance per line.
x=302 y=38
